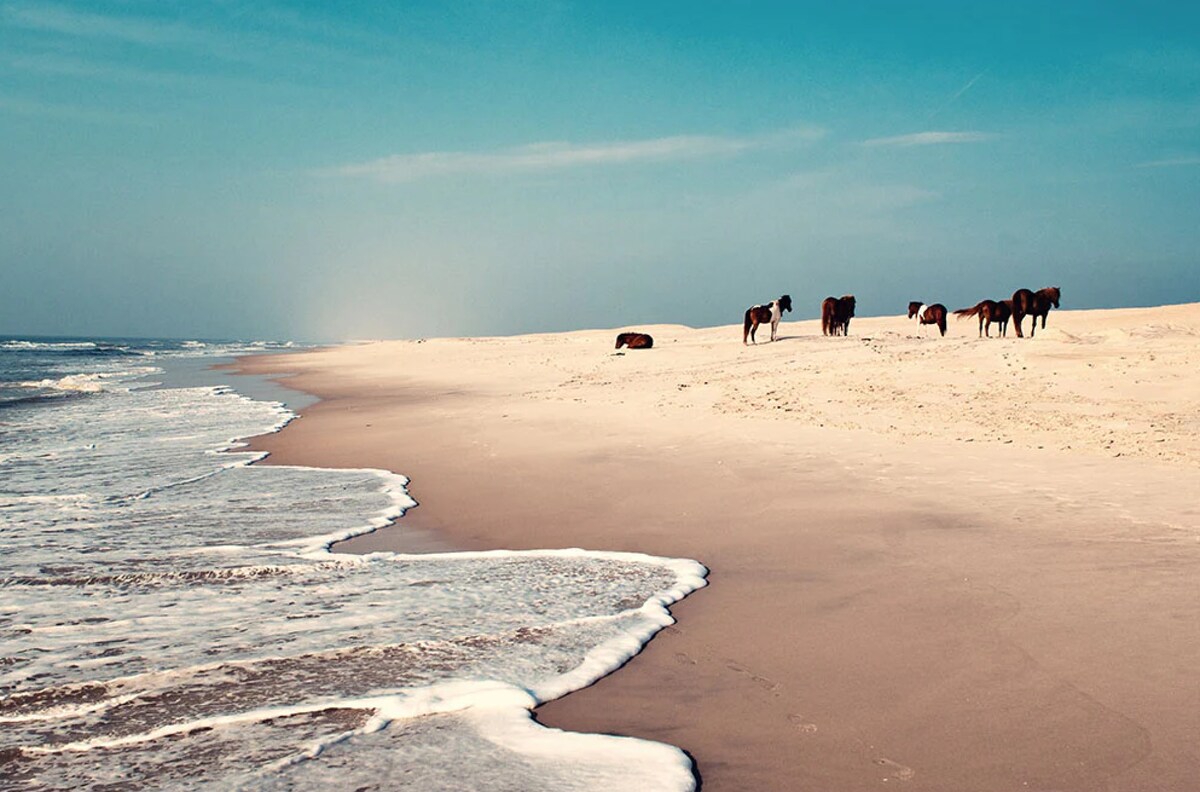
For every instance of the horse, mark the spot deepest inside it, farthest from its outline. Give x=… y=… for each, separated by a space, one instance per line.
x=989 y=311
x=928 y=314
x=761 y=314
x=836 y=313
x=635 y=341
x=1035 y=304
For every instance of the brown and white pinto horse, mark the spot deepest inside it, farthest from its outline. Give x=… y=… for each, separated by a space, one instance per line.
x=836 y=313
x=928 y=314
x=1035 y=304
x=761 y=314
x=989 y=311
x=635 y=341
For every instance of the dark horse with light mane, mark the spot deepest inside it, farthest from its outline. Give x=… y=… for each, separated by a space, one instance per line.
x=635 y=341
x=1035 y=304
x=836 y=313
x=928 y=314
x=761 y=314
x=989 y=311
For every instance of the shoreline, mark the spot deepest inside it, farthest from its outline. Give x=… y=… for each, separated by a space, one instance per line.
x=867 y=618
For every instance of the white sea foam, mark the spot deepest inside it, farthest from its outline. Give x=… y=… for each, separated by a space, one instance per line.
x=182 y=611
x=87 y=383
x=47 y=345
x=83 y=383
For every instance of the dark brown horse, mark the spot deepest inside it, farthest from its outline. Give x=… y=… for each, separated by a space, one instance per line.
x=928 y=314
x=836 y=313
x=761 y=314
x=634 y=341
x=989 y=311
x=1035 y=304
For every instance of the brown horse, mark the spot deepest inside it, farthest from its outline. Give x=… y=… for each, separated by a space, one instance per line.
x=635 y=341
x=1035 y=304
x=928 y=314
x=989 y=311
x=836 y=313
x=761 y=314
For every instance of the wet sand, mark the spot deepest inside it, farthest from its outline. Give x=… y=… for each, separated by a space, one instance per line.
x=949 y=564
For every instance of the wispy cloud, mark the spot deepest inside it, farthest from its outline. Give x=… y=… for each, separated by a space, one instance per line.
x=65 y=21
x=224 y=36
x=57 y=66
x=1177 y=162
x=929 y=139
x=91 y=115
x=561 y=155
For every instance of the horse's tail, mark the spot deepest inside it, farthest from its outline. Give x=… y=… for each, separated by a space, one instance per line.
x=746 y=325
x=963 y=313
x=941 y=322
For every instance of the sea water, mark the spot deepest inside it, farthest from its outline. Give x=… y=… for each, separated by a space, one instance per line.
x=172 y=616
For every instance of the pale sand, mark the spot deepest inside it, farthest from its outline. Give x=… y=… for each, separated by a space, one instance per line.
x=947 y=564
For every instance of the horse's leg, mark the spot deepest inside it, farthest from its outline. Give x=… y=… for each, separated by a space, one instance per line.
x=753 y=331
x=774 y=329
x=1044 y=319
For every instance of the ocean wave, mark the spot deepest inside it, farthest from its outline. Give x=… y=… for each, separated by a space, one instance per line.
x=47 y=345
x=172 y=578
x=180 y=607
x=79 y=383
x=84 y=382
x=91 y=349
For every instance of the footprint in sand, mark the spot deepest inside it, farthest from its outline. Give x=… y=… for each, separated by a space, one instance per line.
x=769 y=685
x=898 y=771
x=800 y=723
x=684 y=659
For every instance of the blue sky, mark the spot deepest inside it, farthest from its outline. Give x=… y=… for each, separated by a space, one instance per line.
x=248 y=169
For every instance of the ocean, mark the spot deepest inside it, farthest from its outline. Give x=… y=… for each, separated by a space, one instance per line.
x=172 y=615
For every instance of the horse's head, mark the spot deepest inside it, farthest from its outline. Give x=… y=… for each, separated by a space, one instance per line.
x=913 y=307
x=785 y=303
x=848 y=301
x=1053 y=293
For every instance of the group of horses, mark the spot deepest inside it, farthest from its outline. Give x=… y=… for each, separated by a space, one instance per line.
x=836 y=313
x=1024 y=303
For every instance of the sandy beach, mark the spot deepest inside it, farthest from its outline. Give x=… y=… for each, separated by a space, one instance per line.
x=937 y=563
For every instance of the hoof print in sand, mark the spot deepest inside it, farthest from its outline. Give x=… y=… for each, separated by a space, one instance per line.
x=802 y=725
x=897 y=771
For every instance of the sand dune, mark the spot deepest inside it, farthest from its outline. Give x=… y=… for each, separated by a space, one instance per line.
x=1116 y=382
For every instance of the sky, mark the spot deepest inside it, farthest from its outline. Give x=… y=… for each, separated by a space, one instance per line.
x=317 y=171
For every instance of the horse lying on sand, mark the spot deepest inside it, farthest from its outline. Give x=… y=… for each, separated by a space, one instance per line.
x=1035 y=304
x=989 y=311
x=836 y=313
x=928 y=314
x=761 y=314
x=635 y=341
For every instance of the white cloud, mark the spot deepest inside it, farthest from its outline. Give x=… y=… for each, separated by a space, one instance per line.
x=929 y=139
x=561 y=155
